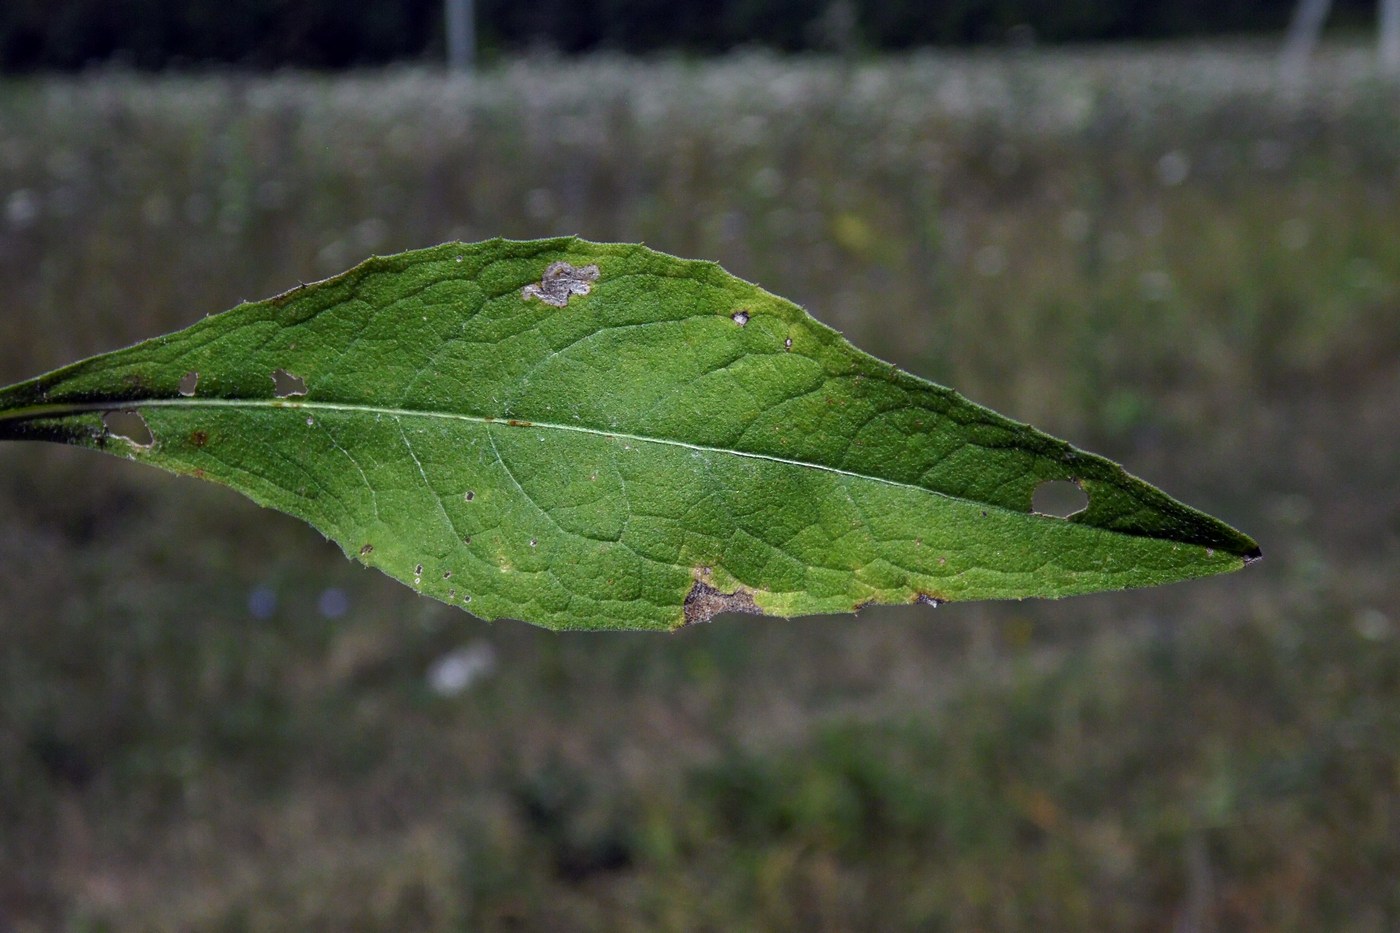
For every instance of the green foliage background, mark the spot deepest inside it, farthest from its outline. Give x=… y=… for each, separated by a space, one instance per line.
x=209 y=719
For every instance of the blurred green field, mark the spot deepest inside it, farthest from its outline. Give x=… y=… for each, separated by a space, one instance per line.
x=210 y=720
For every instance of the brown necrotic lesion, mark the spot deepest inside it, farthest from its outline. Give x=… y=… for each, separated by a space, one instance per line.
x=560 y=282
x=704 y=602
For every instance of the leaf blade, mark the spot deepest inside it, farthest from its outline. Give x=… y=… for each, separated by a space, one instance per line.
x=590 y=435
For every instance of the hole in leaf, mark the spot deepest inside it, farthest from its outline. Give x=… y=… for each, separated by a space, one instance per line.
x=188 y=383
x=129 y=426
x=287 y=384
x=469 y=495
x=1059 y=498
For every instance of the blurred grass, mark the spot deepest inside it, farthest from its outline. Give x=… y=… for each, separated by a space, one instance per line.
x=1153 y=252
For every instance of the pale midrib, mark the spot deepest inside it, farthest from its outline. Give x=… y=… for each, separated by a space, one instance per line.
x=60 y=409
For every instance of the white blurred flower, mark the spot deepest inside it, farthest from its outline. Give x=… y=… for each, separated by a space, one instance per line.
x=457 y=670
x=1173 y=168
x=22 y=207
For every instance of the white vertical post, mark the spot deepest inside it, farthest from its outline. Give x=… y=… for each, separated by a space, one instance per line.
x=1303 y=34
x=461 y=36
x=1390 y=37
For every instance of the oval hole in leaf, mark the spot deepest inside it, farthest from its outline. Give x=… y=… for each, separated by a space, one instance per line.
x=188 y=383
x=129 y=426
x=1059 y=498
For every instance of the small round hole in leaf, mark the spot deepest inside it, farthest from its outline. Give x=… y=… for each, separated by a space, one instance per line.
x=1059 y=498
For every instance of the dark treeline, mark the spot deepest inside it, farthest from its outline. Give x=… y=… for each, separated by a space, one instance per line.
x=153 y=34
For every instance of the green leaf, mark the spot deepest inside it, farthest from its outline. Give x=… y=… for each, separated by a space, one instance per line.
x=591 y=436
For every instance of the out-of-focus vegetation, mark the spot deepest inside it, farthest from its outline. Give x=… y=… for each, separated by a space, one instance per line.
x=157 y=34
x=210 y=720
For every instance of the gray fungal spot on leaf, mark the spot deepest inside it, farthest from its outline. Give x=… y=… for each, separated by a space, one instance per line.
x=285 y=384
x=704 y=602
x=560 y=282
x=1058 y=498
x=740 y=317
x=188 y=383
x=129 y=426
